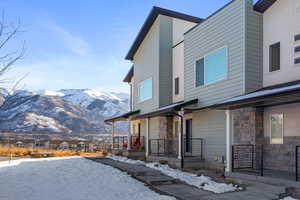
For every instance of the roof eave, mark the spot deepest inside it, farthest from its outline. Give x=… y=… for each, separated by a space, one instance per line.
x=263 y=5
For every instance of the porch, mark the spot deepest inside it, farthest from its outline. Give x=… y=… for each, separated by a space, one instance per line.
x=168 y=151
x=254 y=162
x=135 y=148
x=263 y=135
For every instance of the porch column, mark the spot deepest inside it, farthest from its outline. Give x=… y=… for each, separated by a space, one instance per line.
x=129 y=136
x=147 y=136
x=180 y=133
x=228 y=140
x=112 y=133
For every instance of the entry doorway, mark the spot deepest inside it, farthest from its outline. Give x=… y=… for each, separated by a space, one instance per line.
x=188 y=135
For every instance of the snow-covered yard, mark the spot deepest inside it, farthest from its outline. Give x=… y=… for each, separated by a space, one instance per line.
x=72 y=178
x=202 y=182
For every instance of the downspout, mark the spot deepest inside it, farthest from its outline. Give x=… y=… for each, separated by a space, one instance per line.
x=181 y=135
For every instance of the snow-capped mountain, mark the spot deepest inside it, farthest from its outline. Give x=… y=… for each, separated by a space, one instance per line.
x=63 y=111
x=3 y=94
x=108 y=104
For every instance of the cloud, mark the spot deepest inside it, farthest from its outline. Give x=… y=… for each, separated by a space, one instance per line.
x=75 y=44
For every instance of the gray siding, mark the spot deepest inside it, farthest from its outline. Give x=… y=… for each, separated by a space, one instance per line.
x=254 y=49
x=146 y=65
x=211 y=126
x=225 y=28
x=165 y=61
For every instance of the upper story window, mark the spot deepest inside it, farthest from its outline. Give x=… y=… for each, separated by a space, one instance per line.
x=276 y=129
x=274 y=57
x=212 y=67
x=145 y=90
x=176 y=85
x=297 y=37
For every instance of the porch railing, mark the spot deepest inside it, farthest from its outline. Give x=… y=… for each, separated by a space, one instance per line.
x=137 y=143
x=248 y=157
x=297 y=166
x=163 y=147
x=120 y=142
x=193 y=147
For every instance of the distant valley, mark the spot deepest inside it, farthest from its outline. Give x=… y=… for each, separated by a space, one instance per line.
x=66 y=111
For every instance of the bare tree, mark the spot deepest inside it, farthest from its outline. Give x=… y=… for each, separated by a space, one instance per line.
x=8 y=32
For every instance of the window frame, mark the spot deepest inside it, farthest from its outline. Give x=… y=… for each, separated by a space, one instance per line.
x=297 y=49
x=139 y=84
x=176 y=92
x=203 y=57
x=297 y=37
x=271 y=58
x=282 y=128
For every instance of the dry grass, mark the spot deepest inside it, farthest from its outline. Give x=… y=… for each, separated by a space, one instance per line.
x=27 y=152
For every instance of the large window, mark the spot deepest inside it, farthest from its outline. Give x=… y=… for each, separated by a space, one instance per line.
x=276 y=129
x=145 y=90
x=212 y=68
x=274 y=57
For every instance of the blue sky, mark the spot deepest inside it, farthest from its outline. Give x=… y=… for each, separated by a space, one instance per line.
x=82 y=43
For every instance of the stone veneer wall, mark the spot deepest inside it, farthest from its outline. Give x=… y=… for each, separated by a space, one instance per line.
x=166 y=127
x=281 y=156
x=248 y=128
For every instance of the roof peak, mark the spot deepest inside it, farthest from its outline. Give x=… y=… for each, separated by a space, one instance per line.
x=155 y=11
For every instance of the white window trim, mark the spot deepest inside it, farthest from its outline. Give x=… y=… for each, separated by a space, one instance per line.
x=203 y=57
x=138 y=90
x=271 y=127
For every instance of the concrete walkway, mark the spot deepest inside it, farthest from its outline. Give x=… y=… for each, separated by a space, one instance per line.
x=173 y=187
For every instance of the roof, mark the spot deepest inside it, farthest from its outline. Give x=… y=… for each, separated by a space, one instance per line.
x=122 y=117
x=167 y=110
x=263 y=5
x=149 y=22
x=129 y=75
x=275 y=95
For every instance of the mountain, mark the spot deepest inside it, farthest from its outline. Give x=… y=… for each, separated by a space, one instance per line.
x=63 y=111
x=3 y=94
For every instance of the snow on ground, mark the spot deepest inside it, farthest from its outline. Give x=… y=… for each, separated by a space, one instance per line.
x=72 y=178
x=125 y=159
x=202 y=182
x=288 y=198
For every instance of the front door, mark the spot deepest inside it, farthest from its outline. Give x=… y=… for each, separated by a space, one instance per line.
x=188 y=135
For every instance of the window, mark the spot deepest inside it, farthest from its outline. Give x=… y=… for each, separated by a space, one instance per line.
x=276 y=129
x=176 y=80
x=297 y=49
x=297 y=61
x=212 y=67
x=145 y=90
x=297 y=37
x=274 y=57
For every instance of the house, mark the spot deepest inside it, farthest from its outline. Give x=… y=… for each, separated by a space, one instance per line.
x=221 y=92
x=151 y=82
x=263 y=131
